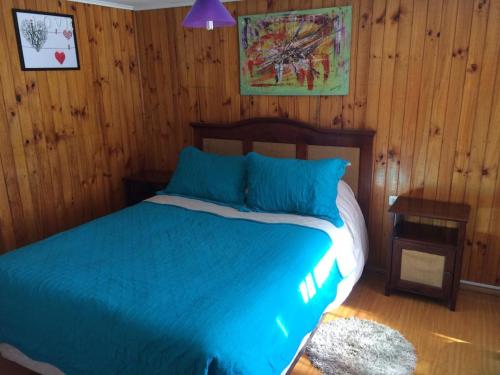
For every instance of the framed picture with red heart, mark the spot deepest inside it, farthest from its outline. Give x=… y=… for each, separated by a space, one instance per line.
x=46 y=41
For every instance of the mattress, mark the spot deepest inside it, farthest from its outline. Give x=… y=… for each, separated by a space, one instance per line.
x=350 y=244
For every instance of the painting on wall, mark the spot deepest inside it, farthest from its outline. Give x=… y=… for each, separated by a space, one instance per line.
x=296 y=53
x=46 y=41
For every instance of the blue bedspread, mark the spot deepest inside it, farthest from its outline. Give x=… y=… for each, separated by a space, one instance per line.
x=158 y=289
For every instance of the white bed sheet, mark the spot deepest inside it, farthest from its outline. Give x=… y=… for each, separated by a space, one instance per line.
x=350 y=244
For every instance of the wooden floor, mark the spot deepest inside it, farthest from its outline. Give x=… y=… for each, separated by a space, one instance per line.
x=466 y=341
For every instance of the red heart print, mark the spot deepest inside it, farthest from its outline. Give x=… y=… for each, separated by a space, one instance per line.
x=60 y=56
x=67 y=34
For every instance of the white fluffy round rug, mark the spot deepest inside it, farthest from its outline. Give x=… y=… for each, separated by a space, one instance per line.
x=353 y=346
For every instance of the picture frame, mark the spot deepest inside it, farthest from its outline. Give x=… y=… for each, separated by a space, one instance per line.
x=46 y=41
x=296 y=53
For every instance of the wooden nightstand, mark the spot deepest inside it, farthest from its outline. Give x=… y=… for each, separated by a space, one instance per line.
x=424 y=258
x=144 y=185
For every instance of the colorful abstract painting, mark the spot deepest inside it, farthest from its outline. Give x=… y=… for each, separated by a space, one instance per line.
x=296 y=53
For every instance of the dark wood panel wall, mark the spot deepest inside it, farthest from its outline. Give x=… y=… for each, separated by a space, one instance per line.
x=68 y=137
x=424 y=74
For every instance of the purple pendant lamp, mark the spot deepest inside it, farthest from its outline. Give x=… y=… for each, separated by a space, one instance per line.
x=208 y=14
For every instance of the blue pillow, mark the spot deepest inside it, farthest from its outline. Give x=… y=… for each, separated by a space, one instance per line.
x=210 y=177
x=306 y=187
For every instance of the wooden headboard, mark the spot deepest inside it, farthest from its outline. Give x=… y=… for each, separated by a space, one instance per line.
x=298 y=136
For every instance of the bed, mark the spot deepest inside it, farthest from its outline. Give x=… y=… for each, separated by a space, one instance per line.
x=185 y=286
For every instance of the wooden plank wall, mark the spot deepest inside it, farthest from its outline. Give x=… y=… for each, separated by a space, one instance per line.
x=424 y=74
x=68 y=137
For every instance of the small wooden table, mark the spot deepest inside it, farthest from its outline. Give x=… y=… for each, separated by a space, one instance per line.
x=425 y=258
x=144 y=185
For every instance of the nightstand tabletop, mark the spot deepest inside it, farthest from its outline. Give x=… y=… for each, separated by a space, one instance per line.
x=431 y=209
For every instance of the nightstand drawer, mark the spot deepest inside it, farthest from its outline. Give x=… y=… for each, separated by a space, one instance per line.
x=423 y=268
x=428 y=290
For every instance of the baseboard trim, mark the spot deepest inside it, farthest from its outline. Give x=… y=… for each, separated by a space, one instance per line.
x=480 y=287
